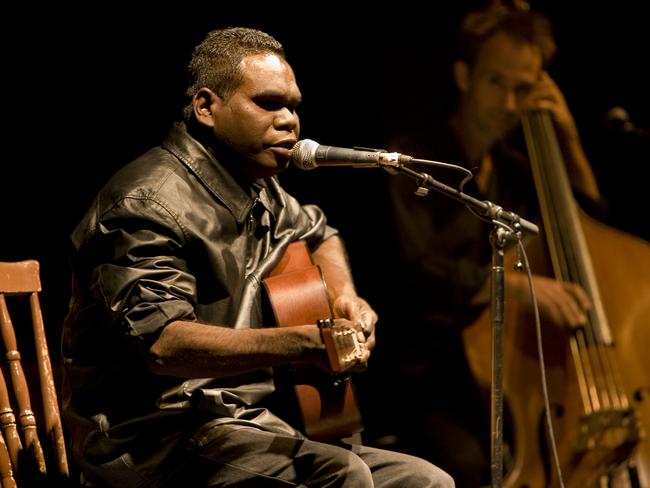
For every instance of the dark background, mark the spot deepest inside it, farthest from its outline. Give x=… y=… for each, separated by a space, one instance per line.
x=86 y=90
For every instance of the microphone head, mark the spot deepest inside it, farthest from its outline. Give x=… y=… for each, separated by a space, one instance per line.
x=303 y=154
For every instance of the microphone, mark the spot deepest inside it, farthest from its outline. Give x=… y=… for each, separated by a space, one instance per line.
x=308 y=154
x=618 y=120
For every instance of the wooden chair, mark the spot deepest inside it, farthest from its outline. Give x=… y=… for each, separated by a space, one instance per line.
x=24 y=460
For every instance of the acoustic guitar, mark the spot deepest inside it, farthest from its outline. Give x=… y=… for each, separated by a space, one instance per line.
x=298 y=295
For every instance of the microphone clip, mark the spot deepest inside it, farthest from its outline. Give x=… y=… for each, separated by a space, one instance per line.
x=387 y=160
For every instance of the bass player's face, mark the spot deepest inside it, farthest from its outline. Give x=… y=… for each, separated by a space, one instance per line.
x=495 y=87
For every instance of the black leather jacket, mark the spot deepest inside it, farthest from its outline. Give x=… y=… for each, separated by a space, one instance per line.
x=171 y=236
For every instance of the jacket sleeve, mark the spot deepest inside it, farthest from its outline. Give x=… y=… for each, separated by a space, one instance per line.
x=139 y=274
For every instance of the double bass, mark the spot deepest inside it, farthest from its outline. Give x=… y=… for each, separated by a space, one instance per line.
x=598 y=376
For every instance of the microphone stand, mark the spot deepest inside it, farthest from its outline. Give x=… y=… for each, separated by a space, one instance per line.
x=508 y=227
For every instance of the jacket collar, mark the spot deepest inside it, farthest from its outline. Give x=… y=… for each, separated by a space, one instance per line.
x=211 y=173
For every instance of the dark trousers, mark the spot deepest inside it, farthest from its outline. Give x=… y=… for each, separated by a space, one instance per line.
x=243 y=456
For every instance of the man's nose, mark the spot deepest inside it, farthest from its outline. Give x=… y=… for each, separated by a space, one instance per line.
x=510 y=101
x=287 y=119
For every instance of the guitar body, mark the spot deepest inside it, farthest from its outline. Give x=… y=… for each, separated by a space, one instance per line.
x=298 y=295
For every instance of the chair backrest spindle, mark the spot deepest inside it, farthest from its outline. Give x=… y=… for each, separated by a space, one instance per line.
x=21 y=452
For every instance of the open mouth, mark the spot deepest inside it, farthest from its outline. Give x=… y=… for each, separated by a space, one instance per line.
x=287 y=144
x=283 y=149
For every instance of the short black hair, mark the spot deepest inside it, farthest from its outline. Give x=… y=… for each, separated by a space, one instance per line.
x=215 y=62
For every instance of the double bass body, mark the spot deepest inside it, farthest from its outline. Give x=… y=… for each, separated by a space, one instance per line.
x=598 y=377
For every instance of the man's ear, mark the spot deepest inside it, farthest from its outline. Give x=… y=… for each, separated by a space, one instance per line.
x=205 y=103
x=461 y=75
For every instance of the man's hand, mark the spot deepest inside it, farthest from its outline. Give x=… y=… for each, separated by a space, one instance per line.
x=357 y=310
x=563 y=304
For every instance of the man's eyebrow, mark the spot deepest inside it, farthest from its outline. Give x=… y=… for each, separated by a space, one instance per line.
x=276 y=94
x=278 y=97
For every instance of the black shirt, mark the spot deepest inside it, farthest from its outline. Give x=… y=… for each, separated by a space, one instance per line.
x=444 y=249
